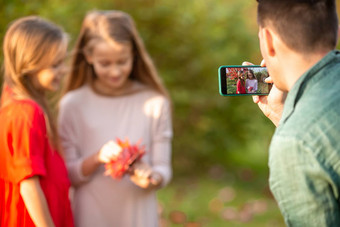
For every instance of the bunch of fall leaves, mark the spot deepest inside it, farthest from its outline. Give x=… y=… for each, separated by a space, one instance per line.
x=130 y=153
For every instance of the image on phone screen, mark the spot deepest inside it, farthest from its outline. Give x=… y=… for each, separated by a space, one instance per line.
x=243 y=80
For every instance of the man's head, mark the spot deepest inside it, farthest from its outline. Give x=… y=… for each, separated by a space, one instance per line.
x=294 y=35
x=305 y=26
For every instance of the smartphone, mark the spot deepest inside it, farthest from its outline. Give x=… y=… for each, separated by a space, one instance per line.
x=239 y=80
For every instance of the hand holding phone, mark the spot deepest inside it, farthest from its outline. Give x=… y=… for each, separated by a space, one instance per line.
x=243 y=80
x=271 y=105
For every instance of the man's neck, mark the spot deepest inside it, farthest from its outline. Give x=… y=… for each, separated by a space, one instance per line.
x=298 y=65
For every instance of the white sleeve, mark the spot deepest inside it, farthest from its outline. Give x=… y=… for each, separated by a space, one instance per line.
x=68 y=133
x=161 y=143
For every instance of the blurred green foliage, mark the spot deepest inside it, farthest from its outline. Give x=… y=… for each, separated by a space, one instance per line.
x=188 y=41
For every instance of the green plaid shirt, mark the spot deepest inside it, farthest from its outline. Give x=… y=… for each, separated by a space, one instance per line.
x=304 y=157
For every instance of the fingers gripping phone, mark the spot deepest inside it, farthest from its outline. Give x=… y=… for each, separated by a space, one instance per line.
x=239 y=80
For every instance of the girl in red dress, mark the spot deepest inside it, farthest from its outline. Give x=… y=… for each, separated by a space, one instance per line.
x=34 y=185
x=241 y=84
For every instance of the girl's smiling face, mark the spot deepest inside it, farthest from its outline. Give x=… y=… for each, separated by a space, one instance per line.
x=112 y=63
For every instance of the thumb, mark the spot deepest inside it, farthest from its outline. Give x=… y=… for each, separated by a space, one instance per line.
x=256 y=98
x=247 y=63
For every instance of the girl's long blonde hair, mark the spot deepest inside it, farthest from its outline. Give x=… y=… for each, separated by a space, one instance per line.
x=111 y=26
x=30 y=45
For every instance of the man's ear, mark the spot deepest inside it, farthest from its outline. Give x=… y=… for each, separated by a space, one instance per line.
x=268 y=41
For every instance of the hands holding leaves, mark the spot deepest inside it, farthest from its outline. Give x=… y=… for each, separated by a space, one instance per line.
x=123 y=158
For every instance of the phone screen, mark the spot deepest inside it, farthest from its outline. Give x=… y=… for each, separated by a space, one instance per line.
x=243 y=80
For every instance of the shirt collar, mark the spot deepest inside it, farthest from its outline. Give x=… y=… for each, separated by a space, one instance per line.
x=296 y=92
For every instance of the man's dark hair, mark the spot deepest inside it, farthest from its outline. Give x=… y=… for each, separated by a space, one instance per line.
x=303 y=25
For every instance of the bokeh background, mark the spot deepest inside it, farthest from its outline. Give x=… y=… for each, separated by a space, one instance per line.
x=220 y=143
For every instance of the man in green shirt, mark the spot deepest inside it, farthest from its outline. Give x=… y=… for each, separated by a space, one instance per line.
x=297 y=41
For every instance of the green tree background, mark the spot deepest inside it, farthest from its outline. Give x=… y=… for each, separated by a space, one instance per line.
x=220 y=144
